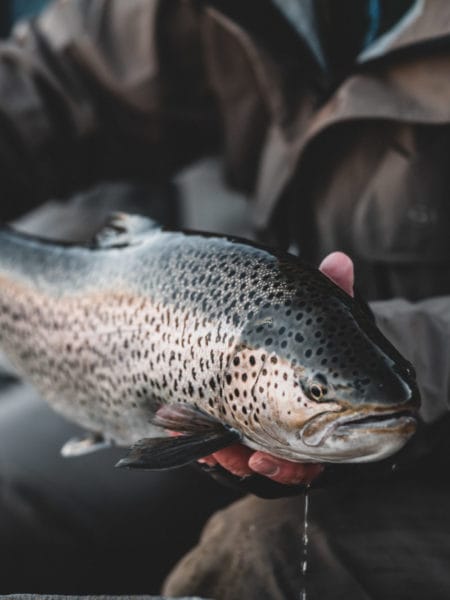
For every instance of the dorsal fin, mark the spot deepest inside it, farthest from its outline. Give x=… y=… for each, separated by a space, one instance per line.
x=122 y=229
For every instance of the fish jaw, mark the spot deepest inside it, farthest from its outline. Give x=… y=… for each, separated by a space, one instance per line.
x=374 y=441
x=361 y=436
x=345 y=440
x=318 y=429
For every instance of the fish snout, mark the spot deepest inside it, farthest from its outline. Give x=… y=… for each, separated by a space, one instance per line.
x=407 y=376
x=388 y=391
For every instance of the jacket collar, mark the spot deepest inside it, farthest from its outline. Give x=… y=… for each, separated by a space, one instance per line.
x=300 y=15
x=427 y=21
x=409 y=97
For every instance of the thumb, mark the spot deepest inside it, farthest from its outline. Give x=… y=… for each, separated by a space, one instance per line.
x=338 y=267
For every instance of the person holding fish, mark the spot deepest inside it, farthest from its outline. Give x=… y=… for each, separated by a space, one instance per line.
x=341 y=142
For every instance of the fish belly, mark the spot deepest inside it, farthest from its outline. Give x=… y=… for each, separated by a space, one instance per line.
x=108 y=360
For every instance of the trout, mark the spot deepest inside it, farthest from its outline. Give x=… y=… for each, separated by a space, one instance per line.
x=146 y=330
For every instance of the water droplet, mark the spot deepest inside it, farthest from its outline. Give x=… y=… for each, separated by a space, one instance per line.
x=305 y=542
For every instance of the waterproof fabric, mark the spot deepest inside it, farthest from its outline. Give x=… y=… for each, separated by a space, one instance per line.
x=379 y=541
x=105 y=88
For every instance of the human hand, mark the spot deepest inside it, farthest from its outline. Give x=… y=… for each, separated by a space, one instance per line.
x=241 y=460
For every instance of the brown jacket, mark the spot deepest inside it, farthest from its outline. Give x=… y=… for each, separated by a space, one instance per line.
x=107 y=88
x=138 y=88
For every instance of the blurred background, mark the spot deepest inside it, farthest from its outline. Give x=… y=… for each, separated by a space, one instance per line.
x=13 y=10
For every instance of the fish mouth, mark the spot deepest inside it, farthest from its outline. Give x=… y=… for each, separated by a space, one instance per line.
x=401 y=421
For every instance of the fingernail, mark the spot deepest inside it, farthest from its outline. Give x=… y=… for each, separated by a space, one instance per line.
x=265 y=467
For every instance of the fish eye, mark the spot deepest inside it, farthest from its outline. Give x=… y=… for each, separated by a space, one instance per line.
x=317 y=391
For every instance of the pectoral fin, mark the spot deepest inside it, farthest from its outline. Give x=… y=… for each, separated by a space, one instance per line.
x=184 y=418
x=169 y=453
x=79 y=446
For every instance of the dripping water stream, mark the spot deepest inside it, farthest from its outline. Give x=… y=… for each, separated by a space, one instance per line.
x=305 y=542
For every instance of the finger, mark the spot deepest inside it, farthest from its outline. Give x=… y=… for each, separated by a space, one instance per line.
x=235 y=459
x=339 y=268
x=284 y=471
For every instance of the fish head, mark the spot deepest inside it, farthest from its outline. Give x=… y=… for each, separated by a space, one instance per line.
x=323 y=387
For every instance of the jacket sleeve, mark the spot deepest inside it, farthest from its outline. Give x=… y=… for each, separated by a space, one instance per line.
x=101 y=89
x=421 y=332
